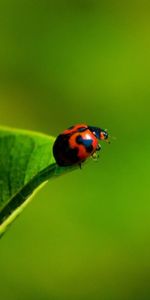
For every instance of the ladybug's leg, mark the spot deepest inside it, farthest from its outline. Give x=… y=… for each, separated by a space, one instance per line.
x=95 y=156
x=98 y=147
x=80 y=165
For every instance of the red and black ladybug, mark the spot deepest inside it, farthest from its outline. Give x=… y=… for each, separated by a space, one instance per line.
x=77 y=143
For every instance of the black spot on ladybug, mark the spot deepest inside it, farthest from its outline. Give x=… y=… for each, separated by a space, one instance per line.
x=79 y=139
x=63 y=154
x=81 y=129
x=86 y=143
x=72 y=155
x=89 y=149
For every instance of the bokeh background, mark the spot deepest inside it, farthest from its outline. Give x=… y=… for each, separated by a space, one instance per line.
x=86 y=235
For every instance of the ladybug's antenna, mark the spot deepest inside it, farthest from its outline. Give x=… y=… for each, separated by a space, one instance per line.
x=111 y=137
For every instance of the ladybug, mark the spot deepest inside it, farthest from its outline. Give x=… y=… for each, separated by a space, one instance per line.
x=77 y=143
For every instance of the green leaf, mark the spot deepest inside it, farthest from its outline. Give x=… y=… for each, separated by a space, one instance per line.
x=26 y=163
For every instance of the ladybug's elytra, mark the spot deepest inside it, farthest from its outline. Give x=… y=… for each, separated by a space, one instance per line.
x=77 y=143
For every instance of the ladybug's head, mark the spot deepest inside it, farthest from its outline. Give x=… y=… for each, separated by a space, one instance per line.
x=101 y=134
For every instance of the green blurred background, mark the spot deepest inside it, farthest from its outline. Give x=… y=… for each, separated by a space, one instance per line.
x=86 y=235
